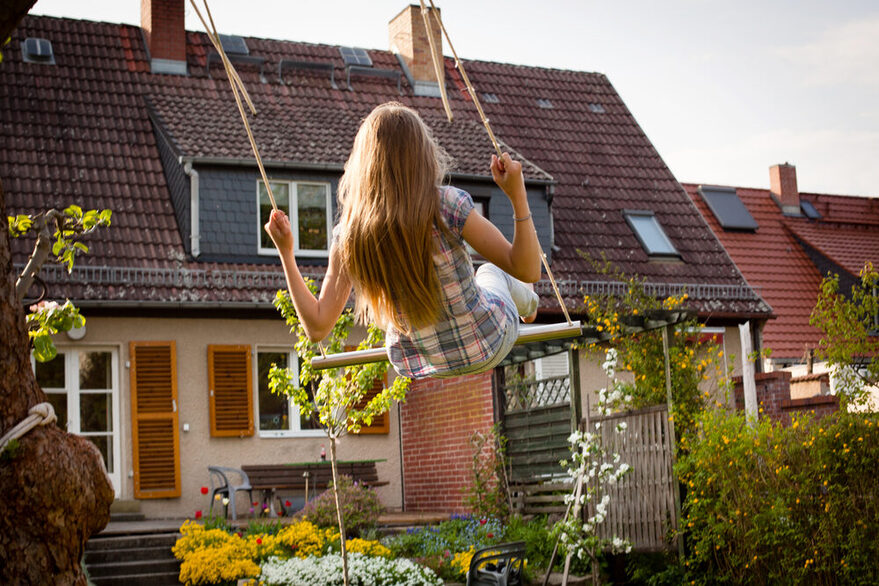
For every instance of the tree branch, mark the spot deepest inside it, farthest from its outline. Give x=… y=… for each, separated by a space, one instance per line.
x=46 y=222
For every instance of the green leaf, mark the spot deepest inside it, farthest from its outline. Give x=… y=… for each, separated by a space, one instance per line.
x=82 y=247
x=44 y=349
x=74 y=211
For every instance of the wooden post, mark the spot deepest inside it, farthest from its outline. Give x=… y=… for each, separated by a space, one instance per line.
x=675 y=489
x=748 y=383
x=576 y=398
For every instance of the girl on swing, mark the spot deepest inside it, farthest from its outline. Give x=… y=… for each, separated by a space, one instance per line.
x=400 y=244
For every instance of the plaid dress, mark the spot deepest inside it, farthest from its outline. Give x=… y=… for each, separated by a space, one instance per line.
x=473 y=323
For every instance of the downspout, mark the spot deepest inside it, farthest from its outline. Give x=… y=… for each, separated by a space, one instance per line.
x=194 y=235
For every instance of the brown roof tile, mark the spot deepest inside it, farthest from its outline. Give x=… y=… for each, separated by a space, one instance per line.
x=80 y=132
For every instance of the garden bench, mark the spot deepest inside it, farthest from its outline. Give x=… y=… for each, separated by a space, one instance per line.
x=271 y=479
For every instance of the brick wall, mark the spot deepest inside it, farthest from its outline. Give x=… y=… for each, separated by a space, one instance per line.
x=774 y=399
x=408 y=35
x=437 y=420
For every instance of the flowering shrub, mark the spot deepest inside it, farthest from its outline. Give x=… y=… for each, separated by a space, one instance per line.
x=368 y=547
x=361 y=507
x=214 y=556
x=363 y=569
x=768 y=504
x=696 y=362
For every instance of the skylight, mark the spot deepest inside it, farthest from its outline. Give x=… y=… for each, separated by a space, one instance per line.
x=650 y=233
x=729 y=210
x=809 y=210
x=36 y=50
x=354 y=56
x=234 y=45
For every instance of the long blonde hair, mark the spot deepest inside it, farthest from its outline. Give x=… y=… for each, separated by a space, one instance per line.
x=389 y=204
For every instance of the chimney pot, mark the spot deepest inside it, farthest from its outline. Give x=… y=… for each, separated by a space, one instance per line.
x=408 y=39
x=163 y=25
x=783 y=188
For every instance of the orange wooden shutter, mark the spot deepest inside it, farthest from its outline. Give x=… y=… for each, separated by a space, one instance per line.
x=380 y=423
x=231 y=396
x=154 y=429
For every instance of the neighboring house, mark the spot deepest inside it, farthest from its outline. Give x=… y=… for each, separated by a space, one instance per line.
x=785 y=242
x=168 y=375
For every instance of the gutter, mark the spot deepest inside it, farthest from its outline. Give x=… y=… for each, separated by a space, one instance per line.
x=194 y=234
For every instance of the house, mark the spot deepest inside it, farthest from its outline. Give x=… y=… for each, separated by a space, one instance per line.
x=785 y=242
x=167 y=377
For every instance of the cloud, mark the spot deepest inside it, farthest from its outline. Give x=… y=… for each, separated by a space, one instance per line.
x=847 y=53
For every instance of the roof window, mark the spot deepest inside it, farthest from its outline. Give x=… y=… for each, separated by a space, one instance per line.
x=490 y=98
x=649 y=232
x=354 y=56
x=234 y=45
x=544 y=103
x=809 y=210
x=36 y=50
x=729 y=210
x=596 y=108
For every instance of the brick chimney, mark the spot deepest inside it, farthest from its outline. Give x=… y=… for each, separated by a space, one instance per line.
x=162 y=22
x=783 y=188
x=408 y=40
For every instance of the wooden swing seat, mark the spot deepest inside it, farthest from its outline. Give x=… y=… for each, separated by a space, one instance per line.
x=527 y=334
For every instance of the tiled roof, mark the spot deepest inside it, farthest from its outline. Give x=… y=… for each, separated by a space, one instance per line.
x=773 y=260
x=80 y=131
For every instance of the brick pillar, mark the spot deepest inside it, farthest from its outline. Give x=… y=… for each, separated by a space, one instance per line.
x=783 y=186
x=773 y=398
x=437 y=421
x=407 y=37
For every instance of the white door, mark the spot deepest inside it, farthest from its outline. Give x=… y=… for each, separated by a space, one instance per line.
x=82 y=384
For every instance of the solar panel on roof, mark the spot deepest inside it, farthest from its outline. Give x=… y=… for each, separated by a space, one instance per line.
x=729 y=210
x=809 y=210
x=355 y=56
x=234 y=45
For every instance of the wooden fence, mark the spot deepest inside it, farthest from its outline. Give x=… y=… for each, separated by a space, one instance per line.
x=642 y=505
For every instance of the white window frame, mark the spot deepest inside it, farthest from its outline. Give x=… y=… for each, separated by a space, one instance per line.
x=293 y=213
x=73 y=393
x=293 y=417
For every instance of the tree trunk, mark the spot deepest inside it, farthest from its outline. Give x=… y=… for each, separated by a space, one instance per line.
x=339 y=516
x=54 y=489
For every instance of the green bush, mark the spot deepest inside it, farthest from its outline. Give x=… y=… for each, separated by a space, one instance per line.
x=767 y=504
x=360 y=508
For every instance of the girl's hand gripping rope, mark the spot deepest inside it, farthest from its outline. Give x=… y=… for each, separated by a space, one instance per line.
x=278 y=228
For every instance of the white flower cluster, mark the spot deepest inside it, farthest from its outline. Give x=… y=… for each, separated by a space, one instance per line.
x=363 y=570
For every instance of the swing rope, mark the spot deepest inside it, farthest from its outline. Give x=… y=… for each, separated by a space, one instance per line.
x=434 y=54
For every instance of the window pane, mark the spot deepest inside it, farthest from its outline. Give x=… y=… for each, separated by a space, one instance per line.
x=654 y=239
x=94 y=370
x=281 y=191
x=310 y=420
x=274 y=410
x=50 y=375
x=59 y=404
x=312 y=208
x=105 y=446
x=95 y=412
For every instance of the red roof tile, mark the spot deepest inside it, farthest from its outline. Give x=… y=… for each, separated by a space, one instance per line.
x=80 y=131
x=774 y=262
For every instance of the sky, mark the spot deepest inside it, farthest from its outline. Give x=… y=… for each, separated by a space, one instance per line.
x=723 y=89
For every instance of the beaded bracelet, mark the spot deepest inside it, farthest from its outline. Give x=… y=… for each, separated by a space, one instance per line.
x=515 y=219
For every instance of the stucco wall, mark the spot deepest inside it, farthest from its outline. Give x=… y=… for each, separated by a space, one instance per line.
x=197 y=448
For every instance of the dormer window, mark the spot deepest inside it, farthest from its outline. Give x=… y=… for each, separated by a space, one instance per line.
x=650 y=233
x=308 y=206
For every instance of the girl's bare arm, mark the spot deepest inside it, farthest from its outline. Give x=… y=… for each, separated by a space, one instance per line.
x=318 y=314
x=521 y=258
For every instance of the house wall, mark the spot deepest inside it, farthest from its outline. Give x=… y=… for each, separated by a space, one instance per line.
x=198 y=449
x=438 y=420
